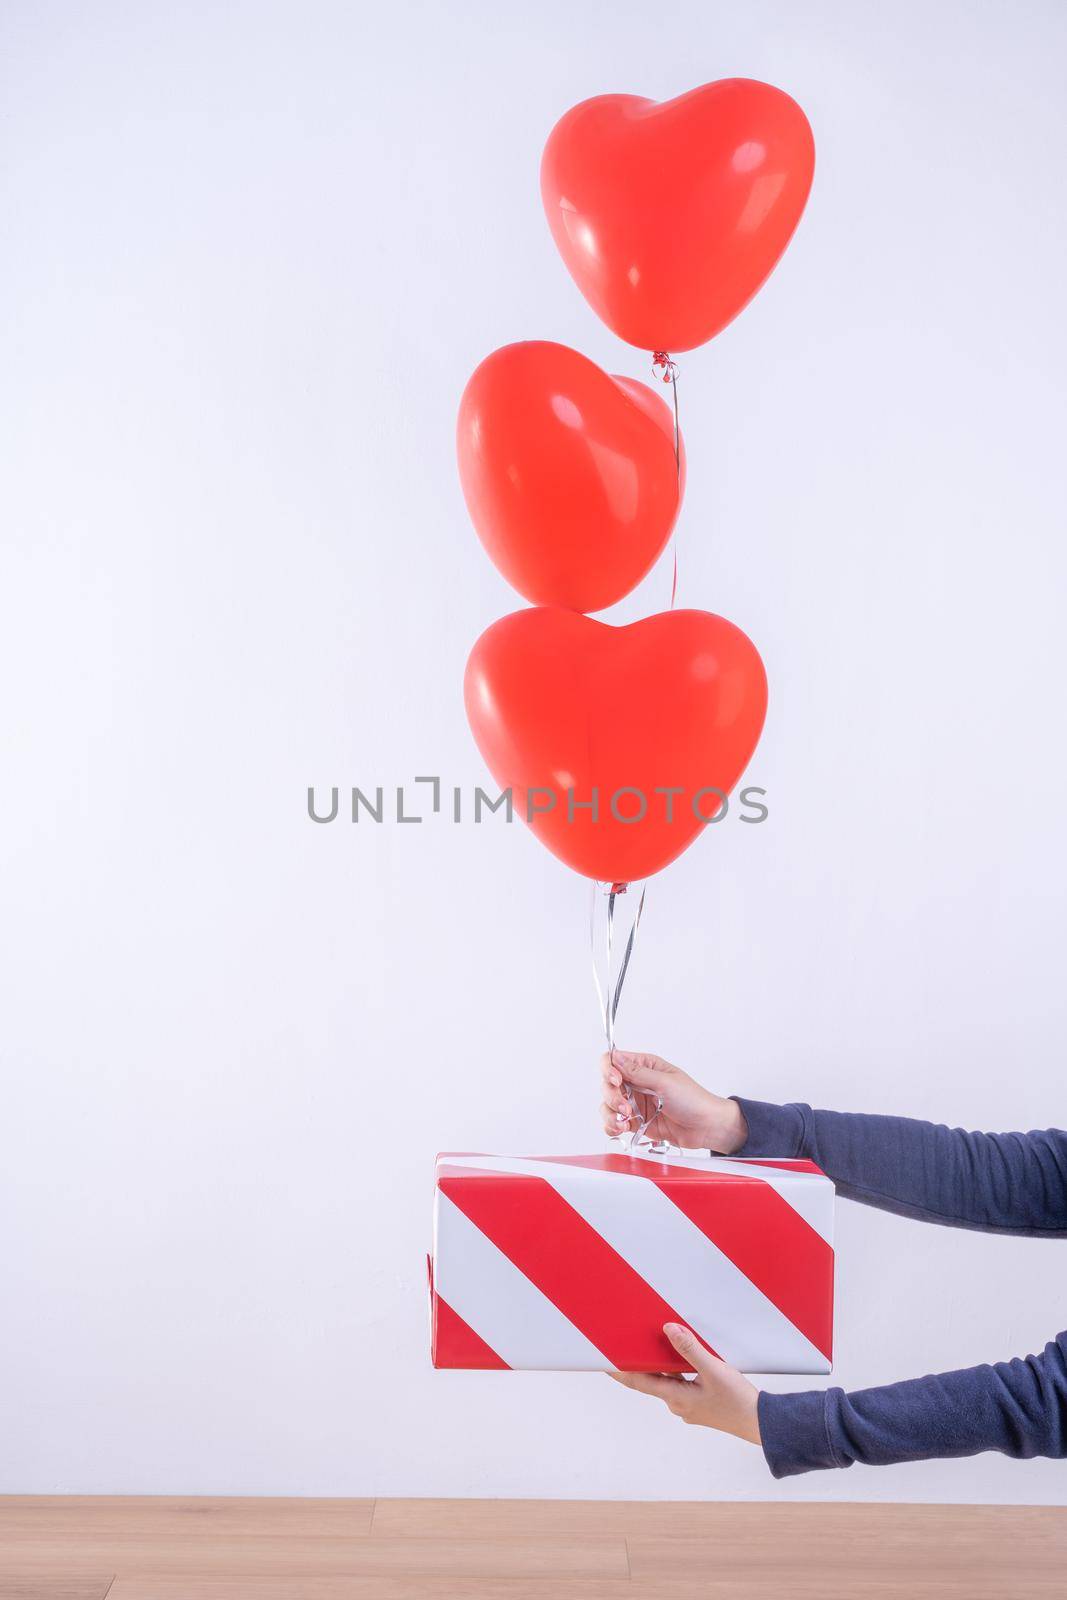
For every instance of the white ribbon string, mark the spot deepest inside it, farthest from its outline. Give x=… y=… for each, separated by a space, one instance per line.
x=609 y=985
x=666 y=369
x=609 y=990
x=678 y=471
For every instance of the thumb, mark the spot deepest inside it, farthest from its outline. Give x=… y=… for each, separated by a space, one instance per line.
x=690 y=1348
x=644 y=1071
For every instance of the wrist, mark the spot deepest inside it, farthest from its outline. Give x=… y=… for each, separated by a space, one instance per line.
x=727 y=1130
x=752 y=1424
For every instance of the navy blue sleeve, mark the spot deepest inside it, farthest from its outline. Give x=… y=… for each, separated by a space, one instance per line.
x=996 y=1182
x=1018 y=1407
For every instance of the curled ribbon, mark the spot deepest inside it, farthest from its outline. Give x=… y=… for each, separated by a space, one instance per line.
x=605 y=949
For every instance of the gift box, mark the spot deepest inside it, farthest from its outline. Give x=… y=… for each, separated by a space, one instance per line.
x=574 y=1263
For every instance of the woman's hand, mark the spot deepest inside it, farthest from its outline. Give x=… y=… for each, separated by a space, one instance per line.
x=690 y=1116
x=718 y=1397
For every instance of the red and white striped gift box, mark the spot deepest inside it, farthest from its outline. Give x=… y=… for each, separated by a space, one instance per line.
x=574 y=1263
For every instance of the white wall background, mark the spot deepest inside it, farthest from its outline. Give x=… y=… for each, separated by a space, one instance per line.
x=250 y=255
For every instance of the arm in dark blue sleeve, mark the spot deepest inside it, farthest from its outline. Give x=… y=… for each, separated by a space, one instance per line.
x=1018 y=1407
x=996 y=1182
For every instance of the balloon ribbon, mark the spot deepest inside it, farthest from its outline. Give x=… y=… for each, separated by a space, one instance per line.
x=667 y=370
x=605 y=950
x=610 y=990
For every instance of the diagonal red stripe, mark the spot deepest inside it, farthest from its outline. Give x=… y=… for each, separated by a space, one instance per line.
x=761 y=1233
x=589 y=1282
x=454 y=1342
x=772 y=1244
x=787 y=1164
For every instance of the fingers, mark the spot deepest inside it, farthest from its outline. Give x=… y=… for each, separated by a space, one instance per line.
x=676 y=1392
x=645 y=1071
x=690 y=1349
x=632 y=1066
x=615 y=1122
x=616 y=1112
x=641 y=1074
x=622 y=1115
x=610 y=1077
x=663 y=1386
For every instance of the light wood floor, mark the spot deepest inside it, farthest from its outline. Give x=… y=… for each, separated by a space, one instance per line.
x=168 y=1549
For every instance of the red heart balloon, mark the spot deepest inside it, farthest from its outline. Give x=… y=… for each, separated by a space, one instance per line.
x=653 y=723
x=569 y=474
x=670 y=216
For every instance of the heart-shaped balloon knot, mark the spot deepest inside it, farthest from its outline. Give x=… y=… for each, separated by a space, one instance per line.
x=663 y=367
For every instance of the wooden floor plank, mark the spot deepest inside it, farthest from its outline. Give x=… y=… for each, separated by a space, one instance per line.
x=864 y=1576
x=436 y=1519
x=806 y=1523
x=30 y=1588
x=269 y=1556
x=180 y=1516
x=421 y=1587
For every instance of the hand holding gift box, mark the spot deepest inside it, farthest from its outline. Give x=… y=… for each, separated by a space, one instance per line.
x=574 y=1263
